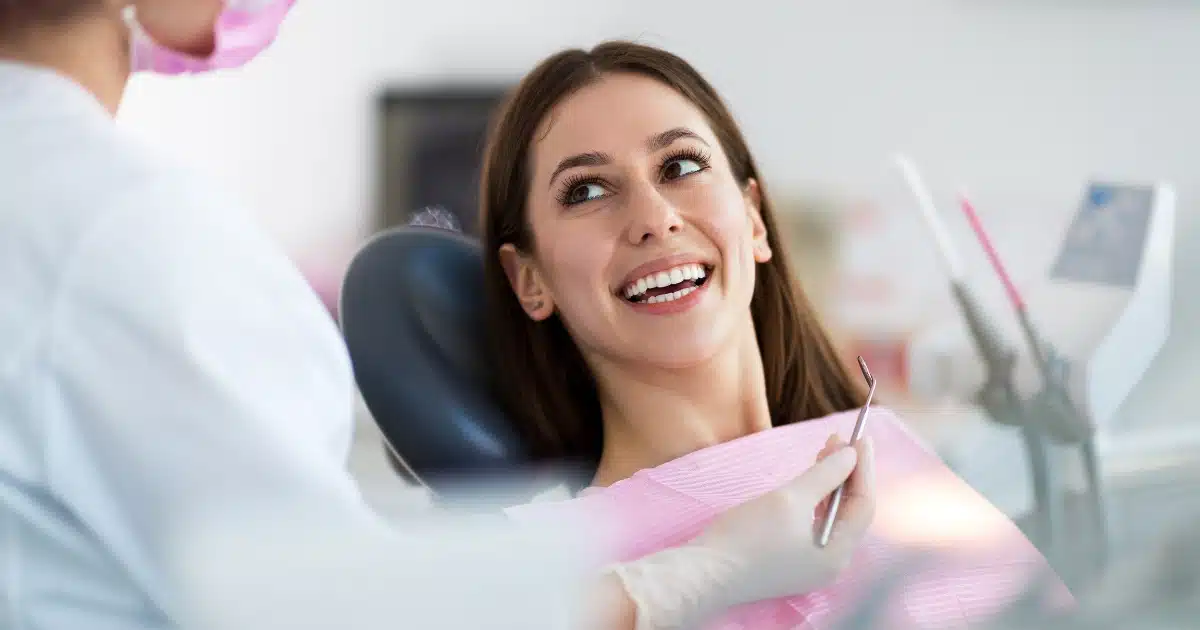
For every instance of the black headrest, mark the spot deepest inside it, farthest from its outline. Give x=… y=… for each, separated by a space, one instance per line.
x=412 y=313
x=412 y=310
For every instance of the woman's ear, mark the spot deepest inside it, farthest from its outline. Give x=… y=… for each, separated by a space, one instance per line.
x=758 y=228
x=526 y=282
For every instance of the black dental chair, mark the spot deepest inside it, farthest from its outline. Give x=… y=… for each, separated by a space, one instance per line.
x=412 y=314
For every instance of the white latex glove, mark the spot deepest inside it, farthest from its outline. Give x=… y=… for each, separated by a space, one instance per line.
x=763 y=549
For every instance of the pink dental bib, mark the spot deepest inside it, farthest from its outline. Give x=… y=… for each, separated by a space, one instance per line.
x=973 y=560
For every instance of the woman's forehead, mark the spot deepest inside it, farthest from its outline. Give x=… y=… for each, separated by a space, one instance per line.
x=617 y=114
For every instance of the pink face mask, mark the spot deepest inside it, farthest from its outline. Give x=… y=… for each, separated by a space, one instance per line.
x=245 y=29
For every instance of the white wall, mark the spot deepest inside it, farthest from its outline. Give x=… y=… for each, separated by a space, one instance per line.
x=1022 y=100
x=1038 y=94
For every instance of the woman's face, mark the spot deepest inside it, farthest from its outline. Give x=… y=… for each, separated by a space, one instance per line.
x=645 y=243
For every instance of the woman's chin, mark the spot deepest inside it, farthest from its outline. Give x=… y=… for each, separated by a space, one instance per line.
x=677 y=351
x=683 y=341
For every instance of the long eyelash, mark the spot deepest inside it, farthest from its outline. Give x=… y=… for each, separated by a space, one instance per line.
x=570 y=184
x=697 y=155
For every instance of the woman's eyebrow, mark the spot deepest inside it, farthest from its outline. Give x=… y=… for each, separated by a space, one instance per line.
x=656 y=142
x=592 y=158
x=660 y=141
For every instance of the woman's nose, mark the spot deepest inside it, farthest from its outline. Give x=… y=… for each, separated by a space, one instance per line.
x=653 y=217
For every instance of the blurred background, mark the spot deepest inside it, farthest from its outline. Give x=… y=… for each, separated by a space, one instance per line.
x=369 y=110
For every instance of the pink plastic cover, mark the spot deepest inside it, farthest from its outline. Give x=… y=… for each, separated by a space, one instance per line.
x=973 y=560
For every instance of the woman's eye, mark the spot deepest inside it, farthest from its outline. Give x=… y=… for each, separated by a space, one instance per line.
x=681 y=167
x=585 y=192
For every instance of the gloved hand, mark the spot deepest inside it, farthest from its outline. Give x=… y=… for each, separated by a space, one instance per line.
x=763 y=549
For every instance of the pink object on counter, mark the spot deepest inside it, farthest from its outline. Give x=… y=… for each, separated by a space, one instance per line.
x=977 y=560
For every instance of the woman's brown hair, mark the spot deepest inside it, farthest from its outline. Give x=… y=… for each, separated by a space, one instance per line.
x=540 y=375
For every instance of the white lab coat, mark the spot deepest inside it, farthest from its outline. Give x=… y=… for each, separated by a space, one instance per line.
x=160 y=361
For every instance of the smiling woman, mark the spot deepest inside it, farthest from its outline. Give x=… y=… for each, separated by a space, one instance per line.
x=641 y=303
x=646 y=322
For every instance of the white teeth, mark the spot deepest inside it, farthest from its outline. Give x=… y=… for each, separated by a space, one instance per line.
x=670 y=297
x=663 y=279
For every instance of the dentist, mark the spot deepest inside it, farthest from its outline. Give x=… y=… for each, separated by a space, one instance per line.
x=162 y=361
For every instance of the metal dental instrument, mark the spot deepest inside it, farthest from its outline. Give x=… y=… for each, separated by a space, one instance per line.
x=835 y=500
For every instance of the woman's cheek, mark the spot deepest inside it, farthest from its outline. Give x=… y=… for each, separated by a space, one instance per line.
x=577 y=264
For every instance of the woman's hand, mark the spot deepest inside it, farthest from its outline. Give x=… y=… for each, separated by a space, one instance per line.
x=763 y=549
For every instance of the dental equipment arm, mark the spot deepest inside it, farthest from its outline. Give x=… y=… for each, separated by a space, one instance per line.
x=1056 y=415
x=1104 y=314
x=1059 y=417
x=998 y=394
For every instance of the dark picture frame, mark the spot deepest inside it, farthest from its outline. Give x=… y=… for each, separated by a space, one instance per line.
x=431 y=147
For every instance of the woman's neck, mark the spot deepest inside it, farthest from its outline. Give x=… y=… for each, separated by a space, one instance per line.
x=91 y=51
x=651 y=418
